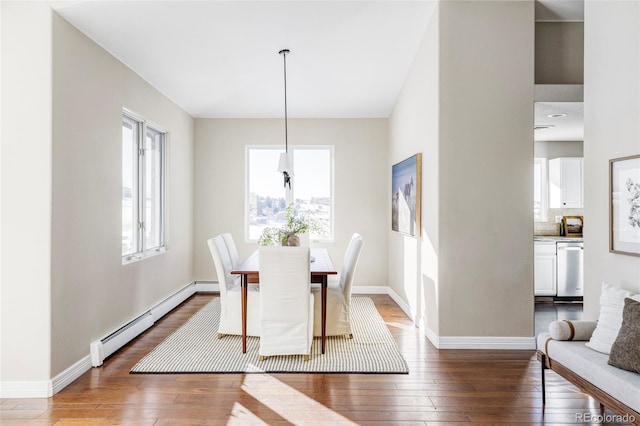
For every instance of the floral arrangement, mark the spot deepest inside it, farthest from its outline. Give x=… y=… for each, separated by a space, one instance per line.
x=294 y=224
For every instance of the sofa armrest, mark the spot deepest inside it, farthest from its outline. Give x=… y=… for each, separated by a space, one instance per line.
x=571 y=330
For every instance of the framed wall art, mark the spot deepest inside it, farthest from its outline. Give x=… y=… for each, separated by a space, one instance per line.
x=573 y=225
x=406 y=193
x=624 y=209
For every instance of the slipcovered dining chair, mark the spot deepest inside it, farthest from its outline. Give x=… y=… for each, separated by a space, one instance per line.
x=286 y=302
x=338 y=295
x=231 y=247
x=230 y=294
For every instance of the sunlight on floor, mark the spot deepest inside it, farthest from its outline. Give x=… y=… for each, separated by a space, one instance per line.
x=400 y=325
x=242 y=415
x=288 y=403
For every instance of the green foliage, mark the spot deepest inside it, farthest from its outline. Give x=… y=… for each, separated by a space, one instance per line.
x=294 y=224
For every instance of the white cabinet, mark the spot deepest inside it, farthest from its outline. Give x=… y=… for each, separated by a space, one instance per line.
x=544 y=268
x=565 y=182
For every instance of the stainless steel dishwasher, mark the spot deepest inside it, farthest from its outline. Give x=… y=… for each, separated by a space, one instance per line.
x=570 y=263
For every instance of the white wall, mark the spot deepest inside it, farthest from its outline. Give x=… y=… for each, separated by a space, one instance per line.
x=414 y=127
x=472 y=117
x=360 y=184
x=612 y=130
x=26 y=150
x=92 y=291
x=486 y=161
x=546 y=149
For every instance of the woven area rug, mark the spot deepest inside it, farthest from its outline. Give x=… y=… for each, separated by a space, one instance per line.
x=195 y=348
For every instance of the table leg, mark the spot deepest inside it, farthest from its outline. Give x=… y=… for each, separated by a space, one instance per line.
x=244 y=286
x=324 y=310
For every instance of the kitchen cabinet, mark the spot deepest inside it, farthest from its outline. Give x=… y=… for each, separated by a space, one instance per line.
x=544 y=268
x=565 y=182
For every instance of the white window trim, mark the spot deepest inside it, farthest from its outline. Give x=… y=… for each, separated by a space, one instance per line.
x=544 y=189
x=146 y=253
x=289 y=194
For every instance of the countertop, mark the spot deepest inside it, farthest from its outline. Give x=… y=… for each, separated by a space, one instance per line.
x=555 y=239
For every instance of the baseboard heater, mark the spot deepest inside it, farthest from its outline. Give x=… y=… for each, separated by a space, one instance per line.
x=102 y=348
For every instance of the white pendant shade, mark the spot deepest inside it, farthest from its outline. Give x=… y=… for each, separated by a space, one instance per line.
x=283 y=164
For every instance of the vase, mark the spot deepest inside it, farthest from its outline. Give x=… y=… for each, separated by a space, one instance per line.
x=292 y=240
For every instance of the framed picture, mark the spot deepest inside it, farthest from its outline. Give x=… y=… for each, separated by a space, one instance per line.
x=406 y=193
x=573 y=225
x=624 y=210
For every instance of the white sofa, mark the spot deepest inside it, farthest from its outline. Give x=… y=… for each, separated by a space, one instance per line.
x=614 y=388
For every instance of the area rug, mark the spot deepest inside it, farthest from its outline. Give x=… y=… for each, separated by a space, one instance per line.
x=195 y=348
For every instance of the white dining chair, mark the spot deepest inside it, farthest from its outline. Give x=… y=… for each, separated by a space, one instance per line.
x=231 y=247
x=286 y=302
x=230 y=294
x=338 y=317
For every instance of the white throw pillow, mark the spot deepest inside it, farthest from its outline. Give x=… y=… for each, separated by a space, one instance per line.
x=610 y=320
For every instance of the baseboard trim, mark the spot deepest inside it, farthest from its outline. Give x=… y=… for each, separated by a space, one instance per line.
x=67 y=377
x=207 y=287
x=490 y=342
x=370 y=289
x=26 y=389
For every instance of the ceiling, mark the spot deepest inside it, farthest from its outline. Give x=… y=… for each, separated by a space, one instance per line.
x=559 y=121
x=219 y=58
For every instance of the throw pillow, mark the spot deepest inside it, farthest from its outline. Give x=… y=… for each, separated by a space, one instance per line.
x=610 y=319
x=624 y=351
x=571 y=330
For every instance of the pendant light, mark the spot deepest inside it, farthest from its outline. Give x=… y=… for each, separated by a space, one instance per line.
x=284 y=166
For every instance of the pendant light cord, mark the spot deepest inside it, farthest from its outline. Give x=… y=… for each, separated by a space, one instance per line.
x=286 y=129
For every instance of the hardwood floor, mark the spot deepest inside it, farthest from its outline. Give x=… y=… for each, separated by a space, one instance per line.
x=452 y=386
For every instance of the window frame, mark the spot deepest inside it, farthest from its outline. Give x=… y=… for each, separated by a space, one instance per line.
x=141 y=251
x=290 y=192
x=544 y=189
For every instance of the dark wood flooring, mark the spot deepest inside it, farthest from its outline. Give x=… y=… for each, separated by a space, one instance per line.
x=448 y=386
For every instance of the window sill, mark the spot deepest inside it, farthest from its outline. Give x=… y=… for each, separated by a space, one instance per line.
x=133 y=258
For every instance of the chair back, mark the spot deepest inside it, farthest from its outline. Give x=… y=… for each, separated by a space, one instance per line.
x=286 y=304
x=349 y=264
x=231 y=247
x=222 y=262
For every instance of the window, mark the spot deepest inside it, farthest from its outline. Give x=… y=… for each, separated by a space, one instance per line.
x=540 y=198
x=311 y=188
x=143 y=150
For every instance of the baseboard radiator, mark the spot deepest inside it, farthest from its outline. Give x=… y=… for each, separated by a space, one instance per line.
x=102 y=348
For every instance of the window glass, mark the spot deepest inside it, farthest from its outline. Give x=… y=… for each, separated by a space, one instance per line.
x=266 y=193
x=153 y=234
x=143 y=150
x=311 y=189
x=312 y=186
x=129 y=185
x=540 y=190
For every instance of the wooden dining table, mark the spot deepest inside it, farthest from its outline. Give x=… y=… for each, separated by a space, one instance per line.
x=321 y=268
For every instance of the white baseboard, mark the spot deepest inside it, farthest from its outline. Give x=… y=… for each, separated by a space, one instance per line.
x=402 y=304
x=207 y=287
x=67 y=377
x=471 y=342
x=495 y=343
x=26 y=389
x=370 y=289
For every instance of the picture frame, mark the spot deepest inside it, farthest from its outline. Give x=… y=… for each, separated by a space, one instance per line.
x=624 y=205
x=406 y=195
x=573 y=225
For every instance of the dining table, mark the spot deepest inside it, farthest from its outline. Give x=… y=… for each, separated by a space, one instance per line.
x=321 y=267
